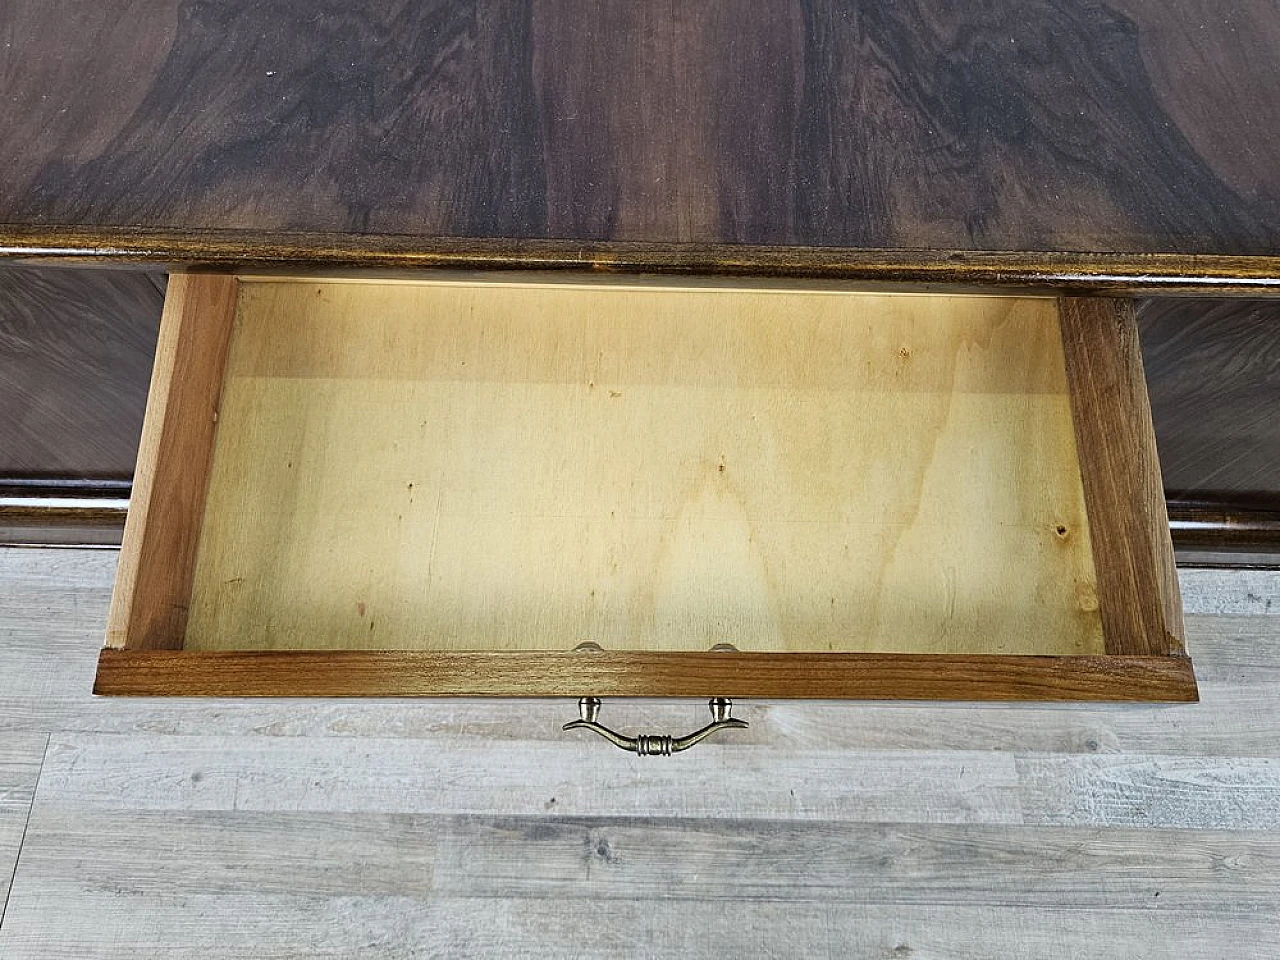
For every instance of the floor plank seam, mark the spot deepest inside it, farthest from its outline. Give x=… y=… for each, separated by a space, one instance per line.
x=22 y=837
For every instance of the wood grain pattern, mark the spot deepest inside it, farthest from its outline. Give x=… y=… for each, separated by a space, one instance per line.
x=625 y=858
x=149 y=607
x=947 y=124
x=76 y=348
x=645 y=468
x=1047 y=126
x=597 y=929
x=1183 y=63
x=1118 y=790
x=345 y=673
x=407 y=114
x=650 y=135
x=437 y=776
x=75 y=354
x=1138 y=587
x=1213 y=374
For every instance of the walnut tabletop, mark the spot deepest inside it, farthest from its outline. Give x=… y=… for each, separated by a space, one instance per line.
x=1109 y=145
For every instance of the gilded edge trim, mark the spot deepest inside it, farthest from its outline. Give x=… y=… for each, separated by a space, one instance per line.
x=1078 y=272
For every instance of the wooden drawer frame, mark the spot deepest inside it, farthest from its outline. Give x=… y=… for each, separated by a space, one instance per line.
x=1138 y=596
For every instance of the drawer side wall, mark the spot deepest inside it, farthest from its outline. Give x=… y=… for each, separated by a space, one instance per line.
x=157 y=557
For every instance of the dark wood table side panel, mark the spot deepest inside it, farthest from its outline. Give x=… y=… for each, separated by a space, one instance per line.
x=75 y=360
x=1213 y=374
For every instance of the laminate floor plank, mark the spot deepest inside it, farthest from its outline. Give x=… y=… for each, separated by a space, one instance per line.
x=131 y=854
x=20 y=758
x=1186 y=792
x=278 y=926
x=1213 y=592
x=572 y=776
x=844 y=785
x=590 y=928
x=384 y=828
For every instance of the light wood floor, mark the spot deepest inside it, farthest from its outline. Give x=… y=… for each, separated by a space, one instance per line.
x=167 y=828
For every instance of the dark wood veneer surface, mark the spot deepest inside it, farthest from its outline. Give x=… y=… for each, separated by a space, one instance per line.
x=1125 y=126
x=75 y=361
x=1213 y=372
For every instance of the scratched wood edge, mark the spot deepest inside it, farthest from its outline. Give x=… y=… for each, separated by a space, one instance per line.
x=157 y=554
x=1221 y=524
x=55 y=514
x=1138 y=593
x=352 y=673
x=1069 y=271
x=62 y=511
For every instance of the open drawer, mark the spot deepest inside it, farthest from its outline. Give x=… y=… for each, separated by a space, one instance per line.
x=557 y=487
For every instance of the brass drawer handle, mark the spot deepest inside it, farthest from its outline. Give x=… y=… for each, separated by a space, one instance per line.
x=655 y=744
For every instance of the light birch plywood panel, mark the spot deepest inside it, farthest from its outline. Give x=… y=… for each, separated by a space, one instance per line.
x=528 y=466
